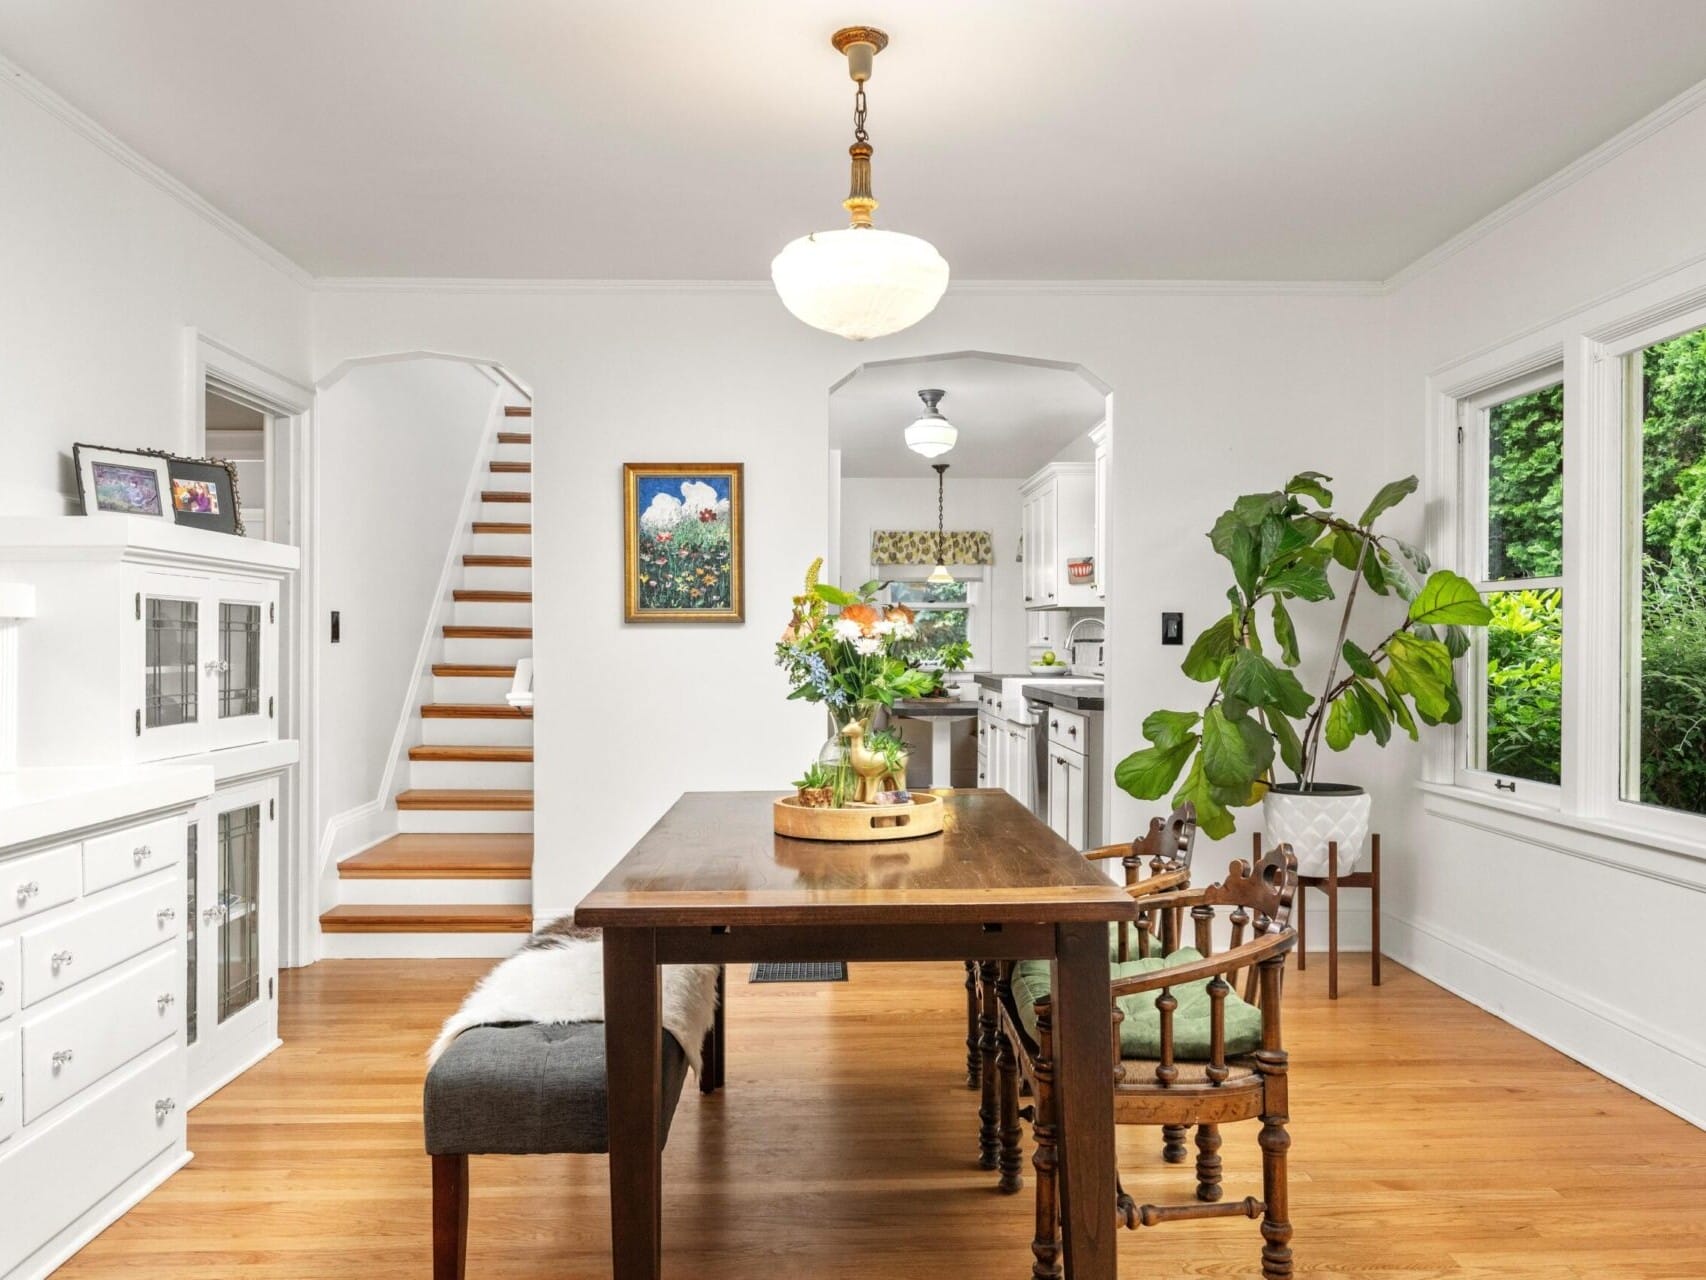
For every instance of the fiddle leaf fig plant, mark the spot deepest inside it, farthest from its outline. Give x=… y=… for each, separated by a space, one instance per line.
x=1281 y=547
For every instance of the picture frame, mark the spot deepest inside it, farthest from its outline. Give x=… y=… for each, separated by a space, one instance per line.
x=683 y=541
x=134 y=482
x=204 y=494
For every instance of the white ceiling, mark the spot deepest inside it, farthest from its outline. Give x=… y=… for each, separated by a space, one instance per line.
x=1084 y=139
x=1013 y=415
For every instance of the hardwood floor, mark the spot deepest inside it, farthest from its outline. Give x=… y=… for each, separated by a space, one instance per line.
x=1429 y=1141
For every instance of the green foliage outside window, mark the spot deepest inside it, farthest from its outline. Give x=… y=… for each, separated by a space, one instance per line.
x=1525 y=486
x=1525 y=684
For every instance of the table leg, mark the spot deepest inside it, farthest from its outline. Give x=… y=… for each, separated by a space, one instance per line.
x=1332 y=920
x=1084 y=1100
x=1374 y=902
x=941 y=751
x=634 y=1058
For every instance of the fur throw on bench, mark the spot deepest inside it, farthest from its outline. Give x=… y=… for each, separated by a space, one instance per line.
x=558 y=976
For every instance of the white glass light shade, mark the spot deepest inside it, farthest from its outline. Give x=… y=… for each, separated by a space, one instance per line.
x=931 y=435
x=860 y=282
x=940 y=574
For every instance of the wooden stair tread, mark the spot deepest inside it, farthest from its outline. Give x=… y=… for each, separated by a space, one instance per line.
x=474 y=711
x=513 y=468
x=515 y=437
x=420 y=856
x=498 y=562
x=491 y=597
x=494 y=672
x=505 y=495
x=501 y=526
x=482 y=755
x=488 y=633
x=518 y=411
x=428 y=918
x=508 y=800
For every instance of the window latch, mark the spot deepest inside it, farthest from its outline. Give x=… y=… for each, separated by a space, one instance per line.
x=1499 y=784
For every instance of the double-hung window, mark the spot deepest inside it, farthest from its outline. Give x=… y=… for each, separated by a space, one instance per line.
x=946 y=611
x=1512 y=546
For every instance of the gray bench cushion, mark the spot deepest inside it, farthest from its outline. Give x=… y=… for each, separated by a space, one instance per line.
x=529 y=1089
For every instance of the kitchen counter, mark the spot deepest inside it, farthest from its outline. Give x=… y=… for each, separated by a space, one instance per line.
x=932 y=708
x=1070 y=695
x=992 y=680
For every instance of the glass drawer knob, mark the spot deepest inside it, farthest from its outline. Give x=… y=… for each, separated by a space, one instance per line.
x=165 y=1002
x=141 y=853
x=61 y=1057
x=164 y=914
x=28 y=890
x=60 y=960
x=164 y=1107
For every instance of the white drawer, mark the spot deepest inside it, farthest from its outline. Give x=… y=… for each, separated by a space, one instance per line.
x=1068 y=729
x=38 y=881
x=93 y=1031
x=9 y=997
x=11 y=1086
x=132 y=853
x=50 y=1177
x=82 y=941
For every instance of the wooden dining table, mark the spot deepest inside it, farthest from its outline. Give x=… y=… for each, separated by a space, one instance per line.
x=712 y=884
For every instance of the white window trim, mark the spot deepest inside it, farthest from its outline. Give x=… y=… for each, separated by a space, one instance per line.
x=980 y=626
x=1591 y=343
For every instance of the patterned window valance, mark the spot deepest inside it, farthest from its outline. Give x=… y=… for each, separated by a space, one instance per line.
x=918 y=546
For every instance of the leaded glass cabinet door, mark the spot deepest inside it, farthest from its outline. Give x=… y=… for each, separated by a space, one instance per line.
x=167 y=676
x=244 y=616
x=235 y=1019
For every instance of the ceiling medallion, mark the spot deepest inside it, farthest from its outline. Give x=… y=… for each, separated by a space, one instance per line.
x=860 y=282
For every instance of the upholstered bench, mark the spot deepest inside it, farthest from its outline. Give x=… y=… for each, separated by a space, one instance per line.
x=527 y=1089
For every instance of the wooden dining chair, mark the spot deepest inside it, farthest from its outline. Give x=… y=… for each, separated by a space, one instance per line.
x=1157 y=861
x=1189 y=1051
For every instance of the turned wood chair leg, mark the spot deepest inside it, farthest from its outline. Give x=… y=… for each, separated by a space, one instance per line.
x=449 y=1217
x=974 y=1060
x=1045 y=1245
x=1276 y=1214
x=1208 y=1162
x=988 y=1114
x=1012 y=1156
x=1173 y=1142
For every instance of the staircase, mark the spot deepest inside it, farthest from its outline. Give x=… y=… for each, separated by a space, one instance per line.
x=457 y=878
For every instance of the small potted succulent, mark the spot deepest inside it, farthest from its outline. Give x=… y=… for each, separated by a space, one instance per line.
x=816 y=787
x=1280 y=546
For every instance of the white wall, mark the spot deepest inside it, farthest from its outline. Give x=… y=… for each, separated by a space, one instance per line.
x=397 y=445
x=1529 y=921
x=1214 y=393
x=870 y=503
x=103 y=270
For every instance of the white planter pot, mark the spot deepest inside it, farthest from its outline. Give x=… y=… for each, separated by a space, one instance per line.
x=1310 y=820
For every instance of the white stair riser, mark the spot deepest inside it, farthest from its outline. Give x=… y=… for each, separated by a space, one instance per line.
x=503 y=544
x=513 y=453
x=508 y=512
x=414 y=893
x=464 y=821
x=484 y=651
x=462 y=775
x=483 y=733
x=492 y=613
x=470 y=688
x=517 y=481
x=420 y=946
x=486 y=577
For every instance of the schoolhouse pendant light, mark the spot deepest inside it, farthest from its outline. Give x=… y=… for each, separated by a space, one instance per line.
x=940 y=573
x=860 y=282
x=931 y=434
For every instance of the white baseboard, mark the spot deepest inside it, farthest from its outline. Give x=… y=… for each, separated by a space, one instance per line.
x=111 y=1207
x=1648 y=1060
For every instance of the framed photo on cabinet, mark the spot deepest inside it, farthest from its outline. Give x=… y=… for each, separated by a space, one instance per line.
x=682 y=531
x=122 y=481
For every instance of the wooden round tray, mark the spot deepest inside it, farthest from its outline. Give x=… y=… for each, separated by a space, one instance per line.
x=922 y=817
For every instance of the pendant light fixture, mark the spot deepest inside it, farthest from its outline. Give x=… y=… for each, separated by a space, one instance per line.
x=939 y=574
x=931 y=434
x=860 y=282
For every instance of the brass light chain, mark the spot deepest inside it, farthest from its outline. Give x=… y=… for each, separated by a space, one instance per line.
x=859 y=134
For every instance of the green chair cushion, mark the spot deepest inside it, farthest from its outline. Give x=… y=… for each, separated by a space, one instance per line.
x=1140 y=1032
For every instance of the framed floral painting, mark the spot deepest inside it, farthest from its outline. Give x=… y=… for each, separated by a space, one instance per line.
x=682 y=526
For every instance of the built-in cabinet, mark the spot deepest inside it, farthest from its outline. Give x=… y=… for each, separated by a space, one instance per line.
x=1005 y=749
x=1102 y=465
x=1074 y=793
x=1057 y=524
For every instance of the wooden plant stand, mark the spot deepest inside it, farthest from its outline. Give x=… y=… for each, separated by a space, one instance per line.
x=1332 y=882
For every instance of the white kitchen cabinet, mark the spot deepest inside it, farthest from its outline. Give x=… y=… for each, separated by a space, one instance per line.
x=231 y=1018
x=1066 y=807
x=1057 y=522
x=1099 y=437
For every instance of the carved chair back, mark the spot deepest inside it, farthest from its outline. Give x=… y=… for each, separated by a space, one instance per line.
x=1165 y=852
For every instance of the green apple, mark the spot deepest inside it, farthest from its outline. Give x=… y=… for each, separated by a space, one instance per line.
x=1049 y=660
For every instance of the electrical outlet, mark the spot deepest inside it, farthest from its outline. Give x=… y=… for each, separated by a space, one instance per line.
x=1172 y=628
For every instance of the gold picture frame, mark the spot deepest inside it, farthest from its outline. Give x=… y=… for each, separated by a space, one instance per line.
x=683 y=542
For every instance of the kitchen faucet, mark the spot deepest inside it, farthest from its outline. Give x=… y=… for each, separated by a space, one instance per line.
x=1072 y=633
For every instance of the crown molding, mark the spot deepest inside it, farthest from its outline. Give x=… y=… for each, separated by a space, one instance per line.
x=1646 y=127
x=57 y=107
x=1061 y=288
